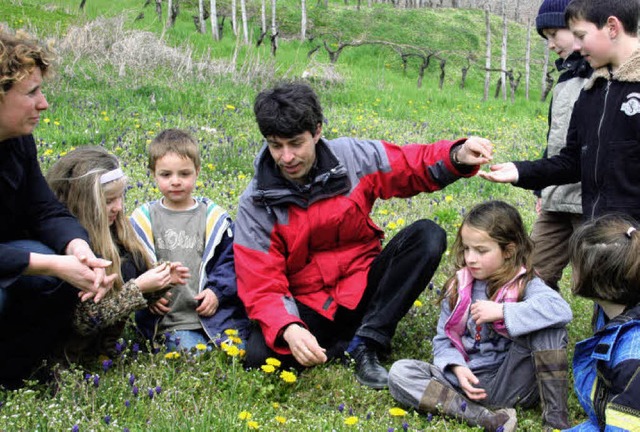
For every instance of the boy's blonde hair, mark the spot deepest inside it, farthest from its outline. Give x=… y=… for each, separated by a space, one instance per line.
x=173 y=141
x=19 y=56
x=76 y=180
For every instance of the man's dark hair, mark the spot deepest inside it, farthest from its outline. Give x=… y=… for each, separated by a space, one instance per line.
x=288 y=110
x=597 y=12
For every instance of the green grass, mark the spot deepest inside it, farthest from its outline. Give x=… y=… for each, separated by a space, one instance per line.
x=374 y=98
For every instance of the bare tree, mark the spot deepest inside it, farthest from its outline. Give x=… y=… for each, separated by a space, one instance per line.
x=263 y=16
x=234 y=17
x=82 y=3
x=487 y=61
x=303 y=19
x=545 y=75
x=214 y=20
x=274 y=28
x=503 y=56
x=159 y=9
x=245 y=30
x=169 y=9
x=201 y=18
x=527 y=61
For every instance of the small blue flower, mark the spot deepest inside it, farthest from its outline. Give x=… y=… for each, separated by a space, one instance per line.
x=107 y=419
x=87 y=376
x=75 y=428
x=158 y=389
x=341 y=407
x=350 y=411
x=106 y=364
x=125 y=429
x=369 y=416
x=132 y=379
x=135 y=348
x=150 y=393
x=405 y=426
x=429 y=417
x=119 y=347
x=96 y=380
x=463 y=406
x=135 y=390
x=127 y=403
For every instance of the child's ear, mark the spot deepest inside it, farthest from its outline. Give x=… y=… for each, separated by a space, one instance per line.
x=614 y=26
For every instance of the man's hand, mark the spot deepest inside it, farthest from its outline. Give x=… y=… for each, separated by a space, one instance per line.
x=468 y=382
x=475 y=151
x=486 y=311
x=501 y=173
x=101 y=282
x=209 y=304
x=304 y=346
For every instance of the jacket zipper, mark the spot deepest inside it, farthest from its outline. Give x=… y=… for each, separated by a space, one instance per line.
x=595 y=172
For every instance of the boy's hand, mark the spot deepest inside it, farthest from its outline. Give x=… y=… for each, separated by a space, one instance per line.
x=207 y=303
x=304 y=346
x=179 y=273
x=475 y=151
x=501 y=173
x=161 y=307
x=486 y=311
x=468 y=382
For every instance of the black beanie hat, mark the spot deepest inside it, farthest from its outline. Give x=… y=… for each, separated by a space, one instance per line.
x=551 y=15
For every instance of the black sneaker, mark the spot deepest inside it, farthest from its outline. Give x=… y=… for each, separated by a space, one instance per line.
x=369 y=371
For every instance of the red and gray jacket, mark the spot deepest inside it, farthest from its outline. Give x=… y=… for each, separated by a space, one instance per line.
x=315 y=243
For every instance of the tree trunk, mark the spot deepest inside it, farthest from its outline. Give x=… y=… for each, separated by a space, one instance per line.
x=159 y=9
x=443 y=63
x=214 y=20
x=169 y=9
x=263 y=16
x=234 y=17
x=274 y=29
x=203 y=24
x=527 y=61
x=545 y=69
x=303 y=19
x=245 y=29
x=503 y=56
x=82 y=3
x=487 y=61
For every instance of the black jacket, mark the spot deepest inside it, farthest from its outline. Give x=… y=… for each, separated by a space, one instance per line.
x=603 y=145
x=28 y=208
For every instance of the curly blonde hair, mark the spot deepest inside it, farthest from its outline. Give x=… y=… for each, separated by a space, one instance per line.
x=20 y=54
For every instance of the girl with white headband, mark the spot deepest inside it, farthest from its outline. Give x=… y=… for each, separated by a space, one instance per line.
x=91 y=183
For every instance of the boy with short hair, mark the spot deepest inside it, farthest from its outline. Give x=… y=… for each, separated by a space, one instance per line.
x=197 y=233
x=602 y=142
x=559 y=207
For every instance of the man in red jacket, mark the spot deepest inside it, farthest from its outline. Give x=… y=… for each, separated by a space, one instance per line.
x=310 y=266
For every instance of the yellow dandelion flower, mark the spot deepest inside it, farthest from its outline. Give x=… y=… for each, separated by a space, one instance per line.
x=288 y=377
x=383 y=212
x=48 y=152
x=242 y=352
x=400 y=222
x=253 y=425
x=57 y=123
x=268 y=368
x=231 y=332
x=103 y=113
x=273 y=362
x=392 y=225
x=244 y=415
x=334 y=130
x=236 y=340
x=233 y=351
x=46 y=120
x=199 y=183
x=241 y=176
x=281 y=420
x=275 y=405
x=448 y=198
x=106 y=118
x=350 y=421
x=172 y=355
x=230 y=107
x=210 y=166
x=201 y=347
x=397 y=412
x=417 y=303
x=63 y=153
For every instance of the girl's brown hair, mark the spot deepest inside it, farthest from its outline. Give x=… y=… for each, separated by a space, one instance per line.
x=605 y=256
x=503 y=224
x=75 y=179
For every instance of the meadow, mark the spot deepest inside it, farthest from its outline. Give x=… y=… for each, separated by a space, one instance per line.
x=120 y=81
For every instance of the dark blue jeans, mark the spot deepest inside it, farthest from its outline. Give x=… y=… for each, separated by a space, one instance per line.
x=35 y=319
x=396 y=278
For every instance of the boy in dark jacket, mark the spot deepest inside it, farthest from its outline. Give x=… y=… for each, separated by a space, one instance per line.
x=602 y=142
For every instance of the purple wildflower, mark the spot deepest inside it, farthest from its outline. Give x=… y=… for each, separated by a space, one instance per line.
x=158 y=389
x=107 y=419
x=119 y=347
x=150 y=393
x=405 y=426
x=96 y=380
x=391 y=429
x=135 y=348
x=341 y=407
x=369 y=416
x=350 y=411
x=500 y=429
x=106 y=364
x=127 y=403
x=429 y=417
x=132 y=379
x=75 y=428
x=87 y=376
x=463 y=406
x=135 y=390
x=125 y=429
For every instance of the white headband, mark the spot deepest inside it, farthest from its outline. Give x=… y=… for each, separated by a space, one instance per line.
x=111 y=176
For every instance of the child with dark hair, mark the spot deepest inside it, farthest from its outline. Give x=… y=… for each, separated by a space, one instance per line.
x=605 y=255
x=501 y=337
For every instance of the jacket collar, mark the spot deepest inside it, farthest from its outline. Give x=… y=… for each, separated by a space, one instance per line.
x=328 y=177
x=628 y=71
